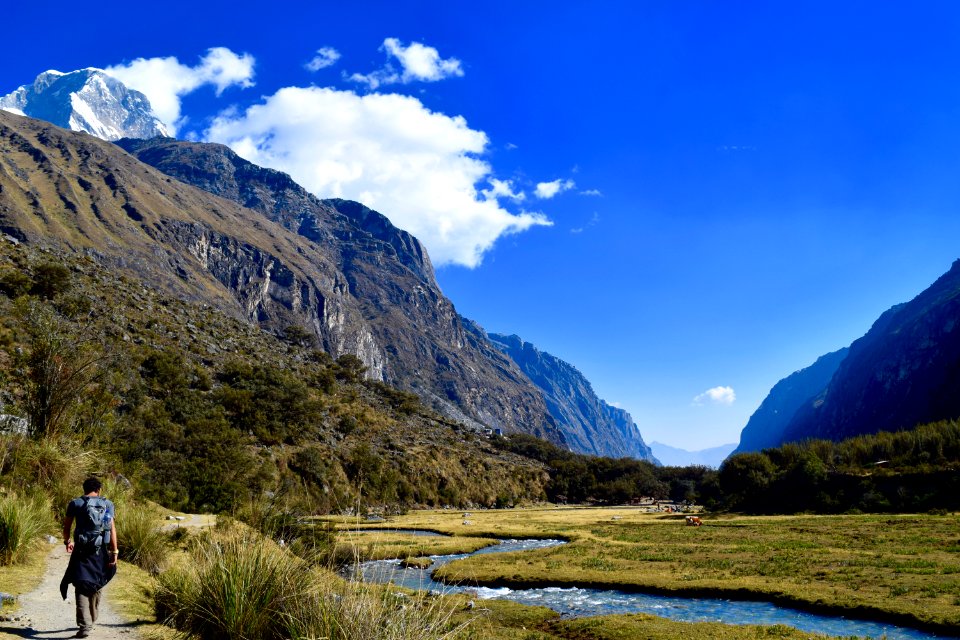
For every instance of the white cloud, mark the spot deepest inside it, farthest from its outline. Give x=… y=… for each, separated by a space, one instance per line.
x=418 y=167
x=716 y=395
x=591 y=192
x=547 y=190
x=165 y=80
x=502 y=189
x=418 y=62
x=594 y=219
x=326 y=57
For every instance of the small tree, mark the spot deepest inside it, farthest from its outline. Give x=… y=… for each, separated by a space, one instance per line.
x=350 y=368
x=62 y=366
x=50 y=279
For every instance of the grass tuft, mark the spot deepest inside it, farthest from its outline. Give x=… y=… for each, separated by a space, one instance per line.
x=238 y=585
x=140 y=539
x=22 y=521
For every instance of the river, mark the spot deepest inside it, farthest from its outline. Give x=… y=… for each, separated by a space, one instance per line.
x=594 y=602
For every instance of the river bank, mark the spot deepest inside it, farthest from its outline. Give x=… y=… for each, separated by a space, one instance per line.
x=902 y=569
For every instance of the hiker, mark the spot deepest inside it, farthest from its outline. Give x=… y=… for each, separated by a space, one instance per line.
x=93 y=552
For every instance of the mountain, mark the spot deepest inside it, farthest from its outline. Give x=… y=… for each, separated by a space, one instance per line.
x=589 y=424
x=86 y=100
x=905 y=371
x=333 y=270
x=414 y=338
x=768 y=424
x=674 y=457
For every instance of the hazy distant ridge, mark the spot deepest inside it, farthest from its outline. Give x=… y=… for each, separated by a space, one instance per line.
x=674 y=457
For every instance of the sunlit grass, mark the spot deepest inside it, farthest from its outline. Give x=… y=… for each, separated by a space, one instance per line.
x=848 y=563
x=236 y=584
x=25 y=576
x=377 y=545
x=22 y=521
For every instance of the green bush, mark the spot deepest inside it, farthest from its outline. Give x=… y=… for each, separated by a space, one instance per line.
x=15 y=283
x=50 y=279
x=22 y=521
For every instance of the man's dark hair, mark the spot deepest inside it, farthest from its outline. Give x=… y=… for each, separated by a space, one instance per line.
x=92 y=484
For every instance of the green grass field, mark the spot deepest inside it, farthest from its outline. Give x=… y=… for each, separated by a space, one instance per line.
x=903 y=568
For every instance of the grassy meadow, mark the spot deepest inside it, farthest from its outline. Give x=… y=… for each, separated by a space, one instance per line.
x=377 y=545
x=902 y=568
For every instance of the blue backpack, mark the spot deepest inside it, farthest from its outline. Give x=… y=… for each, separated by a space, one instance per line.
x=93 y=524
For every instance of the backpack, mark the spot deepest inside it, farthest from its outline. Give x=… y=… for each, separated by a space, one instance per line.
x=92 y=523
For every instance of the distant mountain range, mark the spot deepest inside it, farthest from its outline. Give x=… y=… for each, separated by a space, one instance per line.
x=674 y=457
x=904 y=372
x=200 y=222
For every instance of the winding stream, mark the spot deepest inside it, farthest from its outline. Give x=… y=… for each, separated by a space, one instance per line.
x=594 y=602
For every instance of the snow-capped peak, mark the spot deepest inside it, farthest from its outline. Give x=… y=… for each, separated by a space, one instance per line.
x=86 y=100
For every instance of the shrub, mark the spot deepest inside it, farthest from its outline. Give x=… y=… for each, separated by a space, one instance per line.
x=21 y=523
x=15 y=283
x=50 y=279
x=140 y=539
x=235 y=586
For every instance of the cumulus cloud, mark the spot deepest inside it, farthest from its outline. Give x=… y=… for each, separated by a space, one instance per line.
x=547 y=190
x=420 y=168
x=418 y=62
x=591 y=192
x=165 y=80
x=326 y=57
x=502 y=189
x=716 y=395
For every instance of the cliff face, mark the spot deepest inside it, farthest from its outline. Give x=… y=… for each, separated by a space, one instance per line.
x=905 y=371
x=256 y=245
x=417 y=341
x=766 y=427
x=589 y=424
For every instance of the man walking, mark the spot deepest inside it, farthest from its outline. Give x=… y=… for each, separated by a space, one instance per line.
x=93 y=552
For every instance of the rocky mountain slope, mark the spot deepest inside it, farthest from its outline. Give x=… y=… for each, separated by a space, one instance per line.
x=589 y=424
x=417 y=341
x=769 y=422
x=905 y=371
x=86 y=100
x=333 y=269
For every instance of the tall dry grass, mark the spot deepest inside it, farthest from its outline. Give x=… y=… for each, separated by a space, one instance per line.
x=22 y=522
x=140 y=539
x=240 y=586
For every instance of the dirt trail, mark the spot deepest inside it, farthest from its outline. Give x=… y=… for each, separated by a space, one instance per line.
x=44 y=614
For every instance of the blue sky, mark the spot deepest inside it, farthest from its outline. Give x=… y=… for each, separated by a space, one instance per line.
x=740 y=187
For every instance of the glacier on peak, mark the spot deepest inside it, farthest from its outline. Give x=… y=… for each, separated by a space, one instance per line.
x=87 y=100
